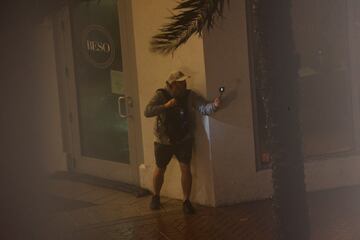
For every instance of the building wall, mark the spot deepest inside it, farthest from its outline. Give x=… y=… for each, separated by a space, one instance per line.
x=231 y=131
x=152 y=71
x=232 y=136
x=54 y=159
x=224 y=157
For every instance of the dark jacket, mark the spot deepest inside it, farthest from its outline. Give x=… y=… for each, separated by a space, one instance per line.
x=155 y=108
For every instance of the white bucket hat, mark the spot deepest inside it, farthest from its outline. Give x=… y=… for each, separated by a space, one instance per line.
x=177 y=76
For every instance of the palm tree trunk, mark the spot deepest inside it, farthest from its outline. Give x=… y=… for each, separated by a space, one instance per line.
x=289 y=199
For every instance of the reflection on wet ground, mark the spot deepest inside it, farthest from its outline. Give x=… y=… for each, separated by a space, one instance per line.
x=91 y=212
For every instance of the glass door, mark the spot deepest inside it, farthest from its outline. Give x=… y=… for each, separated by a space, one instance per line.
x=102 y=91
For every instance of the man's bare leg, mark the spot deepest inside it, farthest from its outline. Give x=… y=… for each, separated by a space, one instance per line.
x=158 y=180
x=186 y=180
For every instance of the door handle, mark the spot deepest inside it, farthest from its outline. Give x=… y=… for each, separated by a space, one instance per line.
x=123 y=103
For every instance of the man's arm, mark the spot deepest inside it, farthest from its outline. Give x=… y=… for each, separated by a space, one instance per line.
x=203 y=106
x=155 y=106
x=158 y=104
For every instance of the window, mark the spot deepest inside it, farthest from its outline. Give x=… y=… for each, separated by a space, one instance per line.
x=322 y=41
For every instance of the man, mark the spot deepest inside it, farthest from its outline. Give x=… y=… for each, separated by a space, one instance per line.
x=174 y=131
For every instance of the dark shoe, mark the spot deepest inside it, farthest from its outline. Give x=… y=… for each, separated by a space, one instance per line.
x=188 y=208
x=155 y=203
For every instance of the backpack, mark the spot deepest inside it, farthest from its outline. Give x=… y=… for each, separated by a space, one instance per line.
x=175 y=121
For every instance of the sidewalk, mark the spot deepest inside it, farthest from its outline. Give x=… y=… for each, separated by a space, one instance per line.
x=88 y=212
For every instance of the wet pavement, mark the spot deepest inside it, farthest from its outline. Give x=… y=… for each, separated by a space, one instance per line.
x=83 y=211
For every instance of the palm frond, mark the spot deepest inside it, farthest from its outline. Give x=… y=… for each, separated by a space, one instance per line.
x=192 y=18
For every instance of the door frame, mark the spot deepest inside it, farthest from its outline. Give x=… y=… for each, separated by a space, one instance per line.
x=128 y=173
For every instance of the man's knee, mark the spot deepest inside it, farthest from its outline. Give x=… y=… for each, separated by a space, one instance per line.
x=185 y=168
x=160 y=171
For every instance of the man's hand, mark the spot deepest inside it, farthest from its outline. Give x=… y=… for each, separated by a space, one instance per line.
x=171 y=103
x=217 y=102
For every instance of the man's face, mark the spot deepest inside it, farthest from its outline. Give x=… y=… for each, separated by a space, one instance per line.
x=178 y=89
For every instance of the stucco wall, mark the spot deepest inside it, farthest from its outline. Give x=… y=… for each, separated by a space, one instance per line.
x=231 y=131
x=232 y=139
x=152 y=71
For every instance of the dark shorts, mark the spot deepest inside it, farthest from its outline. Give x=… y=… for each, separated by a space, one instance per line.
x=164 y=153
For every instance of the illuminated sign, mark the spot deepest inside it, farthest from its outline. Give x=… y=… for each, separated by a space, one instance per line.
x=98 y=46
